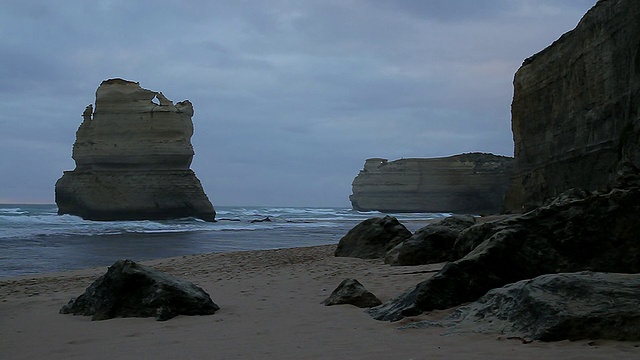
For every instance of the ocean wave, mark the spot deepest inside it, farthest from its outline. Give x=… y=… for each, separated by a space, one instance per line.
x=42 y=221
x=12 y=211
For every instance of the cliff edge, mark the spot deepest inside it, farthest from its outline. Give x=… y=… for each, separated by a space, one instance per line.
x=132 y=157
x=472 y=183
x=575 y=118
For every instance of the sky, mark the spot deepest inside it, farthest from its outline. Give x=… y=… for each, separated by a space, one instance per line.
x=290 y=96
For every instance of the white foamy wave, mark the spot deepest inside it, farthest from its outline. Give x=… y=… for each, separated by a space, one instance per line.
x=39 y=239
x=12 y=211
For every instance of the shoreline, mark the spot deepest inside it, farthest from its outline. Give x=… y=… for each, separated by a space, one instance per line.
x=270 y=309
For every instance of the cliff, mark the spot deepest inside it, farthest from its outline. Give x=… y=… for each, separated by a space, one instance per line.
x=467 y=183
x=575 y=117
x=132 y=156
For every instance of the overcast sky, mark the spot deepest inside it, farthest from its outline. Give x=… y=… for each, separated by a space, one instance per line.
x=290 y=96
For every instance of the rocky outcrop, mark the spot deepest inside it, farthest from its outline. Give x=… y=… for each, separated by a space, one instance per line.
x=351 y=292
x=430 y=244
x=132 y=156
x=129 y=289
x=578 y=232
x=372 y=238
x=575 y=117
x=555 y=307
x=467 y=183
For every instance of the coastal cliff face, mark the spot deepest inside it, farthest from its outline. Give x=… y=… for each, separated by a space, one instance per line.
x=467 y=183
x=575 y=117
x=132 y=156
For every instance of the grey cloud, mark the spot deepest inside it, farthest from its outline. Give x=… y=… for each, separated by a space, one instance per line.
x=290 y=96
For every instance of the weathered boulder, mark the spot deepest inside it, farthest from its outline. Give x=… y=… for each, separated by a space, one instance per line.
x=129 y=289
x=350 y=291
x=575 y=117
x=472 y=183
x=473 y=236
x=554 y=307
x=596 y=233
x=430 y=244
x=132 y=159
x=372 y=238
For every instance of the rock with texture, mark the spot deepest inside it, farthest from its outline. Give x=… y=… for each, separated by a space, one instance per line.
x=351 y=292
x=129 y=289
x=430 y=244
x=372 y=238
x=596 y=233
x=575 y=111
x=468 y=183
x=132 y=156
x=555 y=307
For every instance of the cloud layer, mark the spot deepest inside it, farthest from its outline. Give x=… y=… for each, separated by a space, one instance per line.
x=290 y=96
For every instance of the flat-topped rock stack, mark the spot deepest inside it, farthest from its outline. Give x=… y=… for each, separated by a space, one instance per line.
x=133 y=156
x=466 y=183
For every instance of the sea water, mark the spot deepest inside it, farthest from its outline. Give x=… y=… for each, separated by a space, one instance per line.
x=35 y=239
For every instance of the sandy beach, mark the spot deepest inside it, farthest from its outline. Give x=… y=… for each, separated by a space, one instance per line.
x=270 y=309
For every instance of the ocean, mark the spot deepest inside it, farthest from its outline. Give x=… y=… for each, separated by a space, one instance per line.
x=35 y=239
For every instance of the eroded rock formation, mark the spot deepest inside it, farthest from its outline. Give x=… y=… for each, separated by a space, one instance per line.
x=132 y=156
x=430 y=244
x=372 y=238
x=352 y=292
x=129 y=289
x=554 y=307
x=467 y=183
x=577 y=232
x=575 y=115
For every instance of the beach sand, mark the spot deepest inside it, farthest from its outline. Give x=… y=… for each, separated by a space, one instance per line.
x=270 y=309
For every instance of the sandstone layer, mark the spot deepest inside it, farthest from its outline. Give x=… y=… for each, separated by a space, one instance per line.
x=466 y=183
x=132 y=156
x=575 y=116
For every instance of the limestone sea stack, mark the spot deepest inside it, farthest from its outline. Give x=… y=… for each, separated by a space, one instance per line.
x=468 y=183
x=575 y=117
x=133 y=155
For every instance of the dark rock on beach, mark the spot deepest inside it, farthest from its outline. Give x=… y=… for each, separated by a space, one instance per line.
x=430 y=244
x=554 y=307
x=350 y=291
x=576 y=129
x=129 y=289
x=372 y=238
x=595 y=233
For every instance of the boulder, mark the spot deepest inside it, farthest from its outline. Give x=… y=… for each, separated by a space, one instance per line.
x=129 y=289
x=350 y=291
x=430 y=244
x=597 y=233
x=132 y=157
x=554 y=307
x=372 y=238
x=575 y=110
x=472 y=236
x=473 y=183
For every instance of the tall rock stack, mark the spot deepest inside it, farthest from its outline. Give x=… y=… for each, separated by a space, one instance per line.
x=575 y=116
x=132 y=156
x=466 y=183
